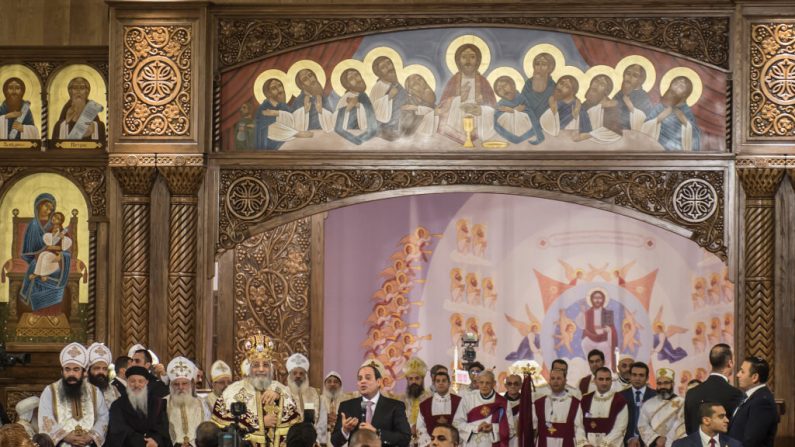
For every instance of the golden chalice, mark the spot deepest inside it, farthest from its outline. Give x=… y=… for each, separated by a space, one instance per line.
x=469 y=126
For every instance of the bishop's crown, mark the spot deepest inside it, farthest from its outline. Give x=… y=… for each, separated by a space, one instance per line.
x=258 y=346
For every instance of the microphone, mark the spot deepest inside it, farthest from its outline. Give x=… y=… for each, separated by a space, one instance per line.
x=364 y=411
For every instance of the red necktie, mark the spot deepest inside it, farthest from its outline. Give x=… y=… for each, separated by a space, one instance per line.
x=712 y=442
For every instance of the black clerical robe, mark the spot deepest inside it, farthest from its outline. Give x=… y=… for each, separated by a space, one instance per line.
x=128 y=427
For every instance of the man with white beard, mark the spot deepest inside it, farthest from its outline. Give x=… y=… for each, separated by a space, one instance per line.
x=270 y=410
x=304 y=395
x=662 y=418
x=72 y=411
x=138 y=418
x=483 y=418
x=557 y=418
x=185 y=411
x=79 y=119
x=220 y=378
x=329 y=406
x=99 y=359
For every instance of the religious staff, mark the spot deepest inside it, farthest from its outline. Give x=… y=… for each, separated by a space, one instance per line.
x=270 y=410
x=662 y=418
x=483 y=418
x=604 y=412
x=437 y=409
x=72 y=411
x=557 y=418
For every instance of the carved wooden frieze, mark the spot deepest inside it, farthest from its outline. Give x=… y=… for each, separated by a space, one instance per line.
x=704 y=39
x=690 y=199
x=157 y=78
x=772 y=80
x=271 y=286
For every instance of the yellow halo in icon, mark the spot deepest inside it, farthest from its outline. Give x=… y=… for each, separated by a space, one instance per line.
x=264 y=76
x=32 y=89
x=417 y=69
x=59 y=90
x=293 y=90
x=375 y=53
x=552 y=50
x=481 y=44
x=577 y=74
x=366 y=73
x=651 y=72
x=698 y=86
x=597 y=70
x=506 y=71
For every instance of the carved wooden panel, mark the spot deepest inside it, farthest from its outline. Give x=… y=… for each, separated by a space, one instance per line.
x=157 y=78
x=271 y=289
x=249 y=197
x=702 y=38
x=772 y=80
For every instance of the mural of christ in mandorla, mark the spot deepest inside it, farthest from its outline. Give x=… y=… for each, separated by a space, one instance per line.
x=478 y=88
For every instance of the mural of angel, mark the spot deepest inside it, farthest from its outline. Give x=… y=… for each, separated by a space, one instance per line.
x=456 y=327
x=457 y=285
x=567 y=327
x=489 y=338
x=684 y=379
x=489 y=292
x=728 y=328
x=479 y=241
x=620 y=274
x=630 y=328
x=713 y=292
x=714 y=334
x=700 y=339
x=473 y=289
x=380 y=316
x=375 y=342
x=463 y=238
x=727 y=286
x=472 y=325
x=662 y=343
x=593 y=272
x=699 y=294
x=530 y=346
x=388 y=292
x=573 y=275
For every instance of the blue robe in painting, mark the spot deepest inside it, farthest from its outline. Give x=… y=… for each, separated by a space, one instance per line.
x=524 y=351
x=532 y=136
x=36 y=293
x=668 y=352
x=640 y=100
x=538 y=102
x=370 y=127
x=26 y=121
x=314 y=115
x=566 y=115
x=671 y=128
x=263 y=142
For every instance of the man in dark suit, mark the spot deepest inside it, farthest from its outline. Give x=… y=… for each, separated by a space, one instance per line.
x=758 y=430
x=372 y=411
x=715 y=389
x=711 y=430
x=120 y=366
x=635 y=395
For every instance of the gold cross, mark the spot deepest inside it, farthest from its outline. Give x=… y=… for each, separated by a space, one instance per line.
x=552 y=430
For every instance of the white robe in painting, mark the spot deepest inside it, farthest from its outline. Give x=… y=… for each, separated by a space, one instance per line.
x=484 y=124
x=183 y=420
x=556 y=410
x=600 y=133
x=49 y=262
x=600 y=408
x=660 y=417
x=468 y=431
x=29 y=130
x=58 y=418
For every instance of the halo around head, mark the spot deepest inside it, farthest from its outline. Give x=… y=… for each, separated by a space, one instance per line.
x=417 y=69
x=264 y=76
x=366 y=72
x=59 y=92
x=485 y=52
x=591 y=292
x=557 y=55
x=375 y=53
x=32 y=88
x=568 y=70
x=293 y=90
x=698 y=86
x=651 y=72
x=506 y=71
x=610 y=72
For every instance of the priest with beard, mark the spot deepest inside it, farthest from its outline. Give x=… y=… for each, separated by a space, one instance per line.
x=270 y=409
x=138 y=418
x=304 y=395
x=436 y=410
x=72 y=411
x=330 y=400
x=185 y=411
x=220 y=378
x=414 y=370
x=14 y=124
x=483 y=418
x=662 y=418
x=99 y=359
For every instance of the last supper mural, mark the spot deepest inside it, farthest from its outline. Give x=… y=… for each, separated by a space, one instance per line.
x=477 y=89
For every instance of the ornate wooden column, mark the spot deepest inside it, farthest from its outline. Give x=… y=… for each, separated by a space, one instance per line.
x=184 y=175
x=136 y=175
x=760 y=185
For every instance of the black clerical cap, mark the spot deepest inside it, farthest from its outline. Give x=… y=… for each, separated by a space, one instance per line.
x=138 y=371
